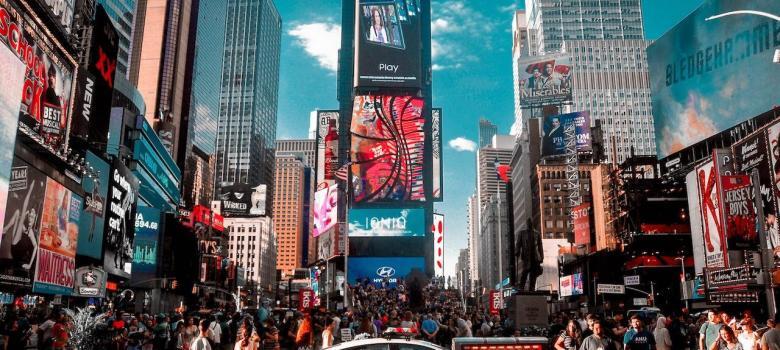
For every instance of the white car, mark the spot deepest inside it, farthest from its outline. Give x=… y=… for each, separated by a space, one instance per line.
x=386 y=344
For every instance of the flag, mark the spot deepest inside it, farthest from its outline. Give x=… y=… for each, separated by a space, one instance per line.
x=343 y=172
x=502 y=171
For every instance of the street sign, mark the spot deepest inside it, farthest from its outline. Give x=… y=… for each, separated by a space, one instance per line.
x=611 y=289
x=631 y=280
x=640 y=302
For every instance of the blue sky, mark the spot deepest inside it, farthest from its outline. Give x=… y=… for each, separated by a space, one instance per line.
x=472 y=44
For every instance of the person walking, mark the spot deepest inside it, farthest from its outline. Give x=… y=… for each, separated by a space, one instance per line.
x=642 y=339
x=598 y=340
x=727 y=340
x=201 y=342
x=748 y=337
x=771 y=338
x=663 y=340
x=570 y=337
x=327 y=333
x=710 y=330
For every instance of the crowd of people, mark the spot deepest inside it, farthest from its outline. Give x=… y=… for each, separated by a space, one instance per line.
x=711 y=330
x=432 y=313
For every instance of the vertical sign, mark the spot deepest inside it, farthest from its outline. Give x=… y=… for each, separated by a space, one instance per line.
x=57 y=240
x=305 y=300
x=438 y=244
x=12 y=71
x=697 y=233
x=436 y=148
x=752 y=153
x=19 y=244
x=95 y=204
x=581 y=215
x=496 y=302
x=715 y=249
x=772 y=226
x=740 y=214
x=327 y=147
x=147 y=228
x=120 y=217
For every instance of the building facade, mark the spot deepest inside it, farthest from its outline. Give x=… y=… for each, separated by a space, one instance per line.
x=488 y=183
x=126 y=15
x=462 y=275
x=249 y=90
x=473 y=237
x=486 y=132
x=252 y=245
x=494 y=255
x=288 y=212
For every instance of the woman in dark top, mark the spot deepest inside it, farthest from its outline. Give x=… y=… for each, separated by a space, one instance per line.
x=25 y=246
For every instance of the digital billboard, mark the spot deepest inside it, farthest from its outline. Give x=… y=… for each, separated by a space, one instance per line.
x=554 y=139
x=325 y=211
x=544 y=80
x=243 y=200
x=120 y=220
x=19 y=243
x=327 y=148
x=12 y=70
x=707 y=76
x=739 y=212
x=387 y=222
x=48 y=88
x=773 y=228
x=387 y=149
x=95 y=205
x=379 y=270
x=95 y=84
x=438 y=244
x=387 y=43
x=147 y=229
x=57 y=240
x=437 y=153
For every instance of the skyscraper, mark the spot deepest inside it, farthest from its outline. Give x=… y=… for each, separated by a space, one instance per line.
x=290 y=218
x=610 y=74
x=125 y=15
x=486 y=132
x=249 y=94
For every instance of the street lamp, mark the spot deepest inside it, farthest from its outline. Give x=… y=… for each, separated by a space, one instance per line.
x=776 y=58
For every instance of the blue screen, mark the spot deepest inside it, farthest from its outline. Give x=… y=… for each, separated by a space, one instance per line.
x=377 y=269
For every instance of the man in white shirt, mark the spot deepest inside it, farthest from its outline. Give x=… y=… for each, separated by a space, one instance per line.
x=215 y=331
x=202 y=341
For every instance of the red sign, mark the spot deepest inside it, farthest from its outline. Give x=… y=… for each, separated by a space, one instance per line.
x=201 y=214
x=739 y=213
x=581 y=215
x=496 y=302
x=112 y=286
x=217 y=222
x=305 y=300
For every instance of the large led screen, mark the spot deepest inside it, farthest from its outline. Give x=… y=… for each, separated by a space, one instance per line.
x=386 y=222
x=554 y=137
x=327 y=148
x=382 y=270
x=120 y=220
x=325 y=209
x=147 y=230
x=48 y=88
x=707 y=76
x=544 y=80
x=437 y=155
x=387 y=43
x=95 y=204
x=387 y=149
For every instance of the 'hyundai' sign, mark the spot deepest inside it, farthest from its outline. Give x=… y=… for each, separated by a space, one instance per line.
x=382 y=271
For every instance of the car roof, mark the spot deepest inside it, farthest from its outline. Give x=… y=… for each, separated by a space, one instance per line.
x=375 y=341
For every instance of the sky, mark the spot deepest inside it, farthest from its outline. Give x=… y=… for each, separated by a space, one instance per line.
x=472 y=79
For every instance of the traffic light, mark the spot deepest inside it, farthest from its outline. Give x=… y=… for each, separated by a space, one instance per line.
x=175 y=285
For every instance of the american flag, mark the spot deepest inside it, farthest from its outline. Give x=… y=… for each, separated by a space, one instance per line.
x=343 y=172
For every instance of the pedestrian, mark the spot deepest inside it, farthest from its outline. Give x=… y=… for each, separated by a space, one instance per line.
x=271 y=337
x=663 y=340
x=59 y=333
x=189 y=333
x=710 y=330
x=430 y=329
x=215 y=333
x=641 y=339
x=727 y=340
x=201 y=342
x=246 y=339
x=327 y=333
x=771 y=339
x=44 y=332
x=598 y=340
x=176 y=342
x=569 y=339
x=748 y=337
x=15 y=337
x=304 y=338
x=589 y=320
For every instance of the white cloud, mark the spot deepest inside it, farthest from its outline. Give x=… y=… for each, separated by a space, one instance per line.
x=462 y=144
x=456 y=28
x=320 y=40
x=512 y=7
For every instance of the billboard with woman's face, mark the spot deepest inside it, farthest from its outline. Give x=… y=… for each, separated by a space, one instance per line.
x=387 y=43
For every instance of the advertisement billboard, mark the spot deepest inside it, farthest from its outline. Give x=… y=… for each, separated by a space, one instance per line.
x=773 y=227
x=90 y=282
x=243 y=200
x=544 y=80
x=697 y=228
x=438 y=244
x=57 y=240
x=716 y=250
x=19 y=243
x=325 y=211
x=48 y=87
x=327 y=147
x=437 y=153
x=387 y=149
x=496 y=302
x=61 y=11
x=706 y=76
x=12 y=70
x=382 y=270
x=95 y=205
x=95 y=86
x=147 y=229
x=553 y=139
x=581 y=214
x=387 y=222
x=571 y=285
x=387 y=43
x=739 y=212
x=120 y=226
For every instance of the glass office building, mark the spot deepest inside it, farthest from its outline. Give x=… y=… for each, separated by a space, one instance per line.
x=123 y=14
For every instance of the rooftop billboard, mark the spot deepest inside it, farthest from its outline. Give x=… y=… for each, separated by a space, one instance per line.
x=707 y=76
x=544 y=80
